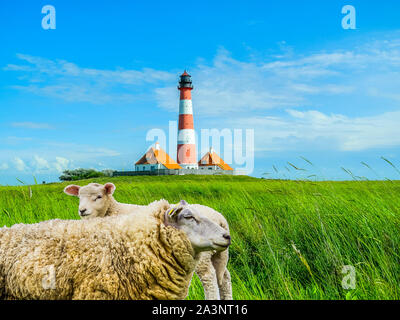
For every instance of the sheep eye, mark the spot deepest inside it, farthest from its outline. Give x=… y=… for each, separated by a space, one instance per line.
x=98 y=197
x=189 y=217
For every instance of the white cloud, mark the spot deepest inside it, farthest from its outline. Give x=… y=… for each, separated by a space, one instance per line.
x=20 y=164
x=227 y=85
x=54 y=157
x=31 y=125
x=14 y=67
x=64 y=68
x=81 y=152
x=61 y=164
x=315 y=130
x=287 y=95
x=16 y=140
x=4 y=166
x=67 y=81
x=40 y=163
x=231 y=87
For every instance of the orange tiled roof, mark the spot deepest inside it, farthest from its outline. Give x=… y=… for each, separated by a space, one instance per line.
x=155 y=156
x=212 y=159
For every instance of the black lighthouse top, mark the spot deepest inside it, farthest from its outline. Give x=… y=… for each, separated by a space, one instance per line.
x=186 y=81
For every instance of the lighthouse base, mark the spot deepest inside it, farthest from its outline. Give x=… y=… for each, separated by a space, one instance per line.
x=189 y=165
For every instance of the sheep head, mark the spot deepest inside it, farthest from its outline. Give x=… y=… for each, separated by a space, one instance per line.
x=202 y=233
x=94 y=199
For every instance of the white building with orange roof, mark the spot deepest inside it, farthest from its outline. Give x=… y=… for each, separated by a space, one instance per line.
x=212 y=161
x=156 y=159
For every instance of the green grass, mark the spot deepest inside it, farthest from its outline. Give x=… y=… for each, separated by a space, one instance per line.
x=330 y=223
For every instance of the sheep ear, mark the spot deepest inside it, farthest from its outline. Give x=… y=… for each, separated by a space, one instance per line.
x=109 y=187
x=72 y=190
x=183 y=203
x=173 y=212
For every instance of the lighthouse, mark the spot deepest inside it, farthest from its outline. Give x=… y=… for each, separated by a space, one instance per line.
x=157 y=162
x=186 y=152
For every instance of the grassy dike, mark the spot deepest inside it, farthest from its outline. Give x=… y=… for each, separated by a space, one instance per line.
x=290 y=239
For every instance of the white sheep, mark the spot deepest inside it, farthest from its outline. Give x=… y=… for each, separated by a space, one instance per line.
x=96 y=200
x=147 y=255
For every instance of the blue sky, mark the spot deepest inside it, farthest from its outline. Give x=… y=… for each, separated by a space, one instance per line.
x=87 y=93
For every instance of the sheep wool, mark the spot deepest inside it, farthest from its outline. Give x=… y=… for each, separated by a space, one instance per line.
x=119 y=257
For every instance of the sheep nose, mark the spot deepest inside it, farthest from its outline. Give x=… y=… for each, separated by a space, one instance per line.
x=82 y=211
x=227 y=237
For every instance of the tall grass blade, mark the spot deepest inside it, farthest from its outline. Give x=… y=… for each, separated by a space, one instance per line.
x=299 y=169
x=306 y=160
x=394 y=167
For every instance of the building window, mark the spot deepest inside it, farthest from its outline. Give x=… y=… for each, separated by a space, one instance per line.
x=152 y=168
x=209 y=168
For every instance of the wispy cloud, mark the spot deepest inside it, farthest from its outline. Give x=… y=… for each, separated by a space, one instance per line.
x=12 y=140
x=51 y=157
x=312 y=129
x=31 y=125
x=341 y=99
x=20 y=164
x=4 y=166
x=40 y=163
x=229 y=86
x=81 y=152
x=67 y=81
x=68 y=69
x=57 y=165
x=61 y=164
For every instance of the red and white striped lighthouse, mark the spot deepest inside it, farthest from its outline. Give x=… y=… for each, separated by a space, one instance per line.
x=186 y=153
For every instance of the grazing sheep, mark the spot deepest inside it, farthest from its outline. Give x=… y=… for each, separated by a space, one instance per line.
x=147 y=255
x=97 y=200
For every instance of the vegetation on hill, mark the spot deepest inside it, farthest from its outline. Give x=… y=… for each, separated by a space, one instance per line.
x=290 y=239
x=80 y=174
